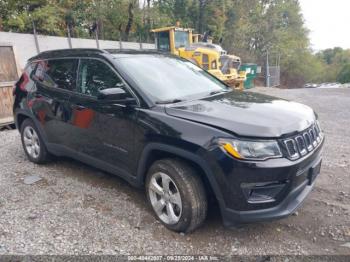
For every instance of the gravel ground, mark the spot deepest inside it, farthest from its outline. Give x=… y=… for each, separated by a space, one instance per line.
x=76 y=209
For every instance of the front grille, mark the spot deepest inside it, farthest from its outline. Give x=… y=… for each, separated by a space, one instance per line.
x=303 y=143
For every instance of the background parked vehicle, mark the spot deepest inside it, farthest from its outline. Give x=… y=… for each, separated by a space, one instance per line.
x=211 y=57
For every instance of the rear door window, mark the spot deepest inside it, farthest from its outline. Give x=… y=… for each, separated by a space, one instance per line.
x=57 y=73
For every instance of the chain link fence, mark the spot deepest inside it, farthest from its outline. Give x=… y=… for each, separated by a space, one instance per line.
x=274 y=74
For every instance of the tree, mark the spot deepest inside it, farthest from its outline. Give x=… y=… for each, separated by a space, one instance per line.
x=130 y=22
x=344 y=75
x=335 y=60
x=247 y=28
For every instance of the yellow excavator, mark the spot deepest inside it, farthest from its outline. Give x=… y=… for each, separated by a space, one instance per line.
x=211 y=57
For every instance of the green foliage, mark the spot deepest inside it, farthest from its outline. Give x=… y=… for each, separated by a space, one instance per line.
x=335 y=61
x=328 y=55
x=247 y=28
x=344 y=75
x=272 y=25
x=302 y=67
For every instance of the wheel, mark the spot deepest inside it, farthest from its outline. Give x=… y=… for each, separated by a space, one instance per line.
x=33 y=144
x=176 y=194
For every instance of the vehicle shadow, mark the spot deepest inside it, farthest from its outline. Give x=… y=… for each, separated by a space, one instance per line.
x=97 y=178
x=142 y=217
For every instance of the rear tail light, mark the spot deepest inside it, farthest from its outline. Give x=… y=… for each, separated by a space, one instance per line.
x=25 y=80
x=14 y=89
x=21 y=83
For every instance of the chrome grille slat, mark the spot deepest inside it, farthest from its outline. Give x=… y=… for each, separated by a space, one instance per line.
x=303 y=143
x=291 y=148
x=317 y=132
x=308 y=141
x=313 y=137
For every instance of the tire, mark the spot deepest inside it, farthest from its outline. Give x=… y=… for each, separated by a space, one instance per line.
x=184 y=183
x=37 y=152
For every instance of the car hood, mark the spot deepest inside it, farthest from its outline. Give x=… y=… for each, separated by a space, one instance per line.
x=246 y=114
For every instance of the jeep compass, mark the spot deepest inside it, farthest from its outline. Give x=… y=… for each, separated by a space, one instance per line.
x=162 y=123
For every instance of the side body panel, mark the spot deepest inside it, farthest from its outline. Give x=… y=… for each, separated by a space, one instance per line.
x=103 y=131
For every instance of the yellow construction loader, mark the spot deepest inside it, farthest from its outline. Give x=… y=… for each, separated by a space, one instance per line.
x=211 y=57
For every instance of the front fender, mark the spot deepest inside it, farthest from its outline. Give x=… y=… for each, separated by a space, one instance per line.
x=190 y=156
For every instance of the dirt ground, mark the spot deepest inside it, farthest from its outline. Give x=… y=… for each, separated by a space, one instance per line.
x=76 y=209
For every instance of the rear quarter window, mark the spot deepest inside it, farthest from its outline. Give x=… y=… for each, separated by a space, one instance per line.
x=57 y=73
x=25 y=82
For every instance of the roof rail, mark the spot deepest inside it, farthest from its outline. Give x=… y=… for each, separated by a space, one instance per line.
x=67 y=52
x=132 y=51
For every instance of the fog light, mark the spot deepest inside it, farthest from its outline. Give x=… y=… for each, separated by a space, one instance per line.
x=265 y=192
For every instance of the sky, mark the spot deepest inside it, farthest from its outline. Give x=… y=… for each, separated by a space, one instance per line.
x=328 y=22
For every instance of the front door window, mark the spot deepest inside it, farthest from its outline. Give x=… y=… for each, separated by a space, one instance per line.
x=95 y=75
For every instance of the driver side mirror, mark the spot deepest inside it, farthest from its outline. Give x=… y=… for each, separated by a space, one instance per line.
x=116 y=95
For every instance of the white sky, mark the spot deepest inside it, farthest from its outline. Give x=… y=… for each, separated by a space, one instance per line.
x=328 y=22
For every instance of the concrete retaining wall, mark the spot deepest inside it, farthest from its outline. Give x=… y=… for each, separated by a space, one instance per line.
x=25 y=44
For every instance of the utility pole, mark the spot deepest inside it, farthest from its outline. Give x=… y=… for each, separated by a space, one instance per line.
x=140 y=42
x=69 y=37
x=267 y=73
x=35 y=38
x=96 y=36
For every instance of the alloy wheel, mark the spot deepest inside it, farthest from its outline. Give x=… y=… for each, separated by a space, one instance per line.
x=165 y=198
x=31 y=142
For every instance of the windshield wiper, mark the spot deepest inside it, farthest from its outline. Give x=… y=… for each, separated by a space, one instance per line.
x=170 y=101
x=217 y=92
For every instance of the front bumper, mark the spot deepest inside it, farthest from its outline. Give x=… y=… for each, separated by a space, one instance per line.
x=291 y=182
x=284 y=209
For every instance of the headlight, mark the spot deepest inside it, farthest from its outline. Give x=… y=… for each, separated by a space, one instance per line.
x=251 y=150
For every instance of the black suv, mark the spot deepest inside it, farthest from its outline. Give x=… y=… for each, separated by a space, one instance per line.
x=161 y=122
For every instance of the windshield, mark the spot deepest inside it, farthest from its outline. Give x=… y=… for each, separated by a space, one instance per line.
x=181 y=39
x=166 y=78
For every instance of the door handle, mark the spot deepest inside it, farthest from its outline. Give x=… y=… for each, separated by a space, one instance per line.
x=38 y=96
x=79 y=107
